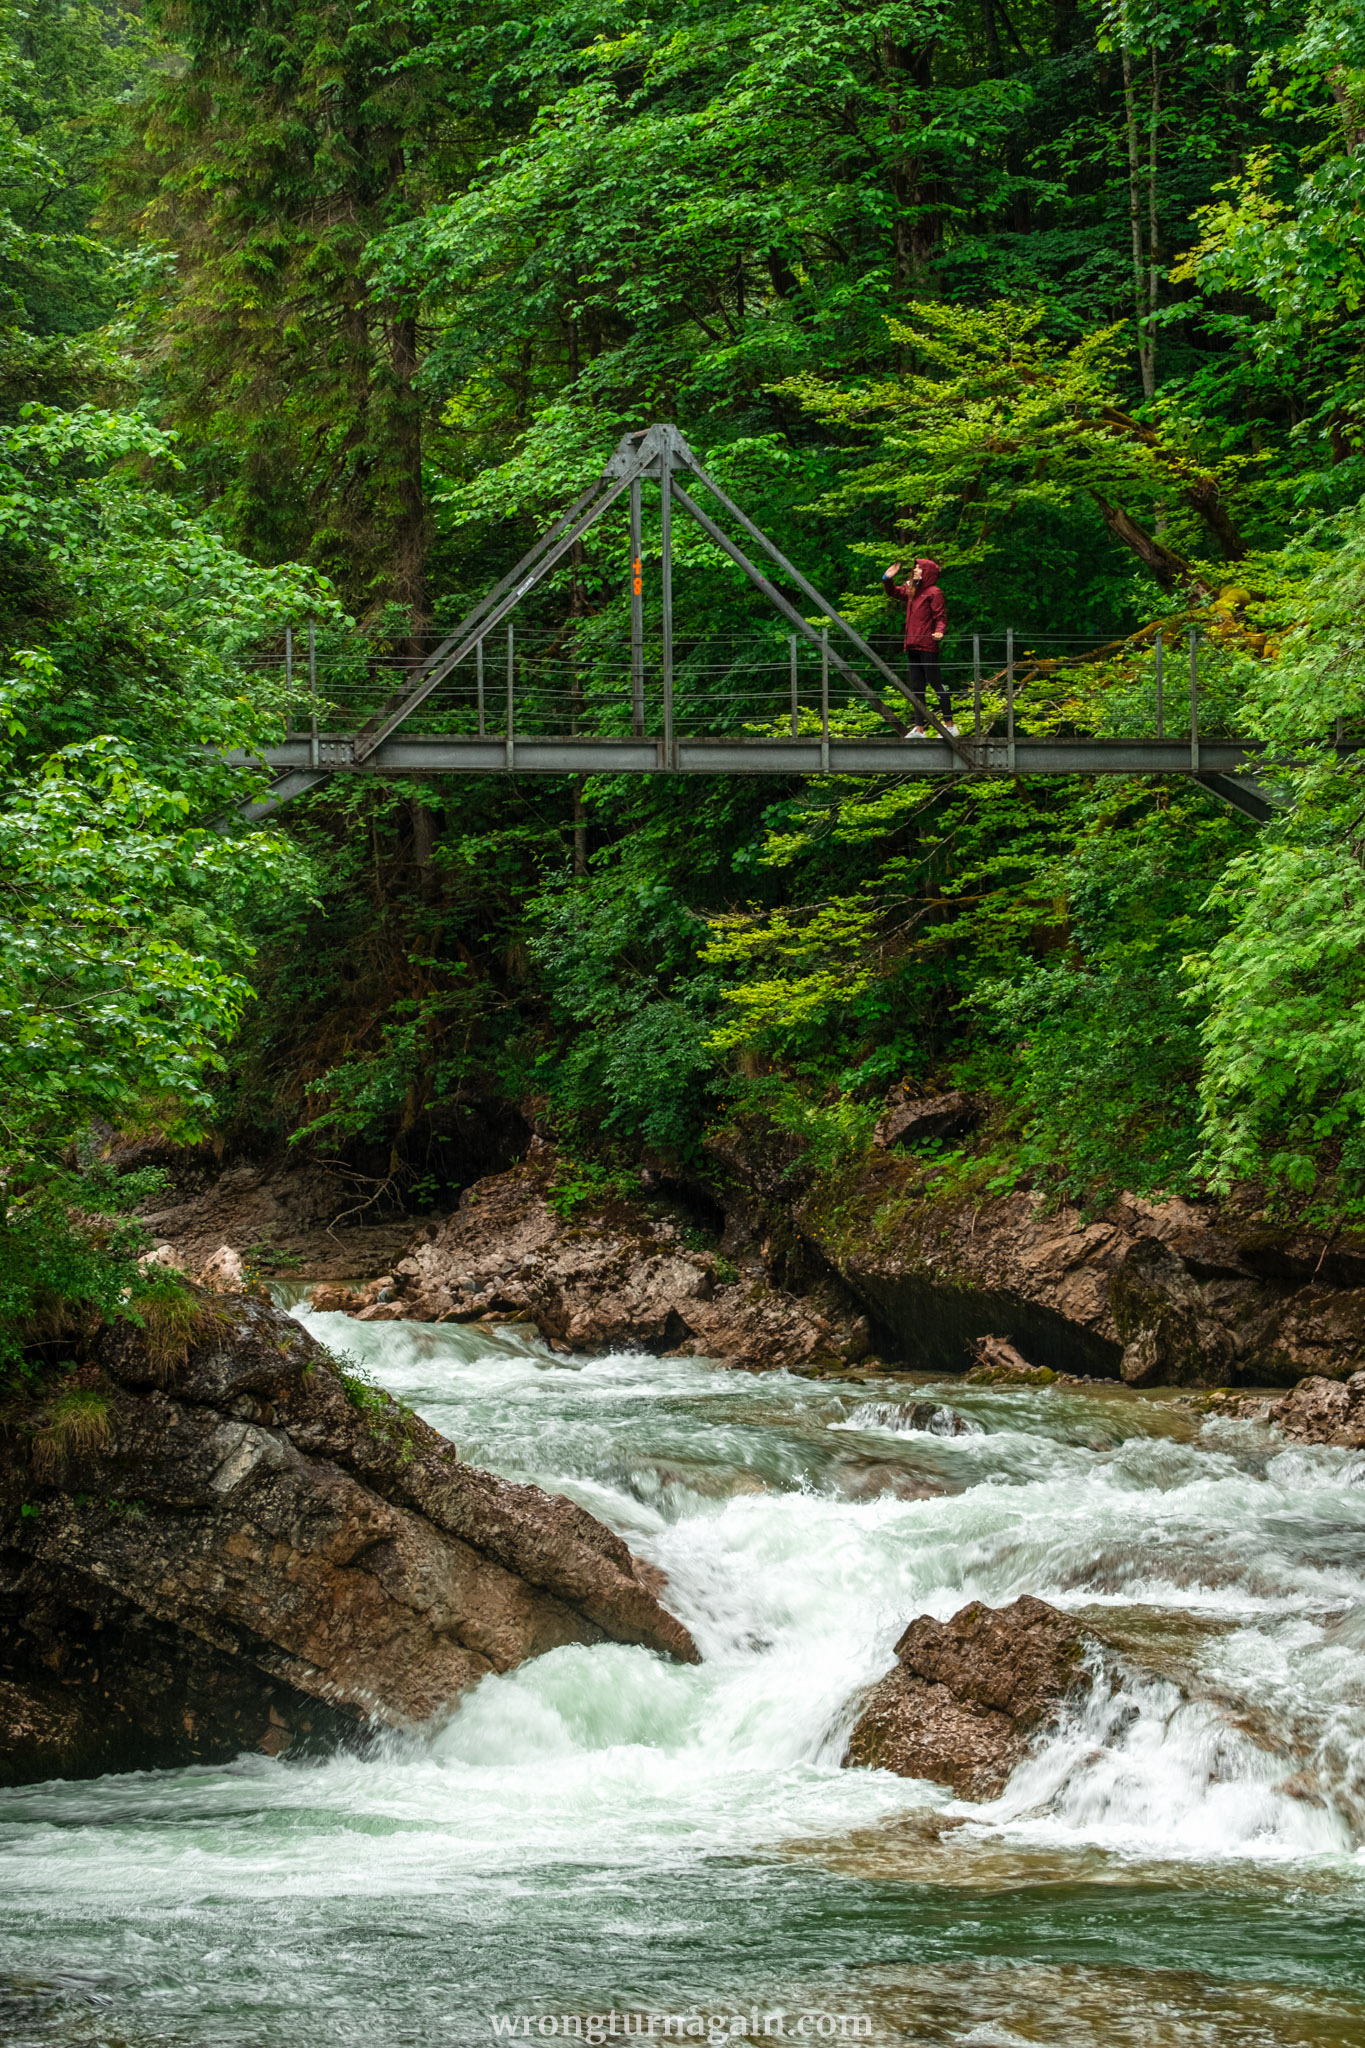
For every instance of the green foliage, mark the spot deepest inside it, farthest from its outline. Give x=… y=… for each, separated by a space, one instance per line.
x=64 y=65
x=77 y=1423
x=830 y=1135
x=170 y=1315
x=378 y=287
x=999 y=432
x=823 y=963
x=68 y=1260
x=1283 y=1081
x=1099 y=1048
x=616 y=959
x=1284 y=1038
x=587 y=1183
x=271 y=151
x=388 y=1419
x=422 y=1054
x=122 y=932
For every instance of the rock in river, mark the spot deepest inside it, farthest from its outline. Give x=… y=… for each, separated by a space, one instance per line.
x=966 y=1697
x=1319 y=1411
x=212 y=1539
x=615 y=1276
x=910 y=1418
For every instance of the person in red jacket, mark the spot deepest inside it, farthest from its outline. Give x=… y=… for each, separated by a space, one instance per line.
x=926 y=622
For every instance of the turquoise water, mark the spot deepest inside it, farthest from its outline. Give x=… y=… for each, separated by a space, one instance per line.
x=601 y=1832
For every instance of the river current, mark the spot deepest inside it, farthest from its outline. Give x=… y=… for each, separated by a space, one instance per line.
x=602 y=1833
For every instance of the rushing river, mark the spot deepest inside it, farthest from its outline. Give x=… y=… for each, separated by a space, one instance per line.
x=601 y=1832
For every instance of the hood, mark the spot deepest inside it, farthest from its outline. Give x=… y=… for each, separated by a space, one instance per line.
x=927 y=572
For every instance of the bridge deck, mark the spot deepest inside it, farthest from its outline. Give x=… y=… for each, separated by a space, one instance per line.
x=409 y=753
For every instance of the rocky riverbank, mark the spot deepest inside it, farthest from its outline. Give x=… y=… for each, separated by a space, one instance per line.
x=760 y=1260
x=213 y=1539
x=1156 y=1294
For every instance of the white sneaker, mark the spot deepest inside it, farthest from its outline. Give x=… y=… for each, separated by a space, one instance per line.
x=917 y=732
x=954 y=729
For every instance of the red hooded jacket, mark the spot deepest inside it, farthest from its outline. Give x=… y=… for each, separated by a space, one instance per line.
x=926 y=612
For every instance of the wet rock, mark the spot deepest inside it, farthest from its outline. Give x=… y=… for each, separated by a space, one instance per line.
x=300 y=1217
x=331 y=1299
x=878 y=1478
x=224 y=1273
x=1170 y=1336
x=211 y=1540
x=1297 y=1258
x=160 y=1255
x=1159 y=1293
x=928 y=1417
x=999 y=1364
x=1318 y=1333
x=615 y=1277
x=967 y=1697
x=936 y=1117
x=1319 y=1411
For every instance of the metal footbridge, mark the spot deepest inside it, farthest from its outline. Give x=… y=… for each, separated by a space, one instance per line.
x=811 y=697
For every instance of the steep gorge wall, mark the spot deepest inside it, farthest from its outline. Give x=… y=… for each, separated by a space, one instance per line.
x=813 y=1271
x=1155 y=1294
x=211 y=1540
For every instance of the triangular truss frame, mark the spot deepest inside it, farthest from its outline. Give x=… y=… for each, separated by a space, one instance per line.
x=660 y=455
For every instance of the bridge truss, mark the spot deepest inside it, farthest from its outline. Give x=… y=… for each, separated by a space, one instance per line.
x=482 y=685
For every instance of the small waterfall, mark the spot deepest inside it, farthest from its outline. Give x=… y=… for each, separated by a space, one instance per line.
x=600 y=1828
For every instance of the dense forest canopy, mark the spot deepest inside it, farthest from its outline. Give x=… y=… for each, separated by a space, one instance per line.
x=319 y=312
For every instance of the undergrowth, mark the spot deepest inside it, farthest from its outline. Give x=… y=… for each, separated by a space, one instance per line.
x=388 y=1418
x=171 y=1317
x=68 y=1262
x=77 y=1425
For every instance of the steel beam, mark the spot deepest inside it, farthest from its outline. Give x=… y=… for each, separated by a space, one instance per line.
x=437 y=659
x=779 y=603
x=809 y=591
x=637 y=614
x=1241 y=791
x=485 y=618
x=457 y=754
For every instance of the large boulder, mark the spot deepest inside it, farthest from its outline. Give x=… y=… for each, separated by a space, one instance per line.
x=966 y=1697
x=213 y=1539
x=1319 y=1411
x=935 y=1117
x=999 y=1363
x=1170 y=1335
x=612 y=1276
x=1158 y=1293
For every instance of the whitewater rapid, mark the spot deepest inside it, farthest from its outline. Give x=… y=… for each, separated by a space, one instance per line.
x=601 y=1828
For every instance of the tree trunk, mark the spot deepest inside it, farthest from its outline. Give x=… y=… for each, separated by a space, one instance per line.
x=580 y=830
x=407 y=578
x=995 y=63
x=1153 y=239
x=1143 y=287
x=919 y=223
x=1204 y=497
x=423 y=834
x=1171 y=570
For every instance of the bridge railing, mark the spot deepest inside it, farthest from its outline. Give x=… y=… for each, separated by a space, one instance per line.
x=582 y=679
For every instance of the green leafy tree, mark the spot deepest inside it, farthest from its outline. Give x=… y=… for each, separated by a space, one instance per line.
x=267 y=161
x=997 y=423
x=1283 y=1082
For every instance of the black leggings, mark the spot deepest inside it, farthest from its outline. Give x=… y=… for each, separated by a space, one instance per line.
x=923 y=669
